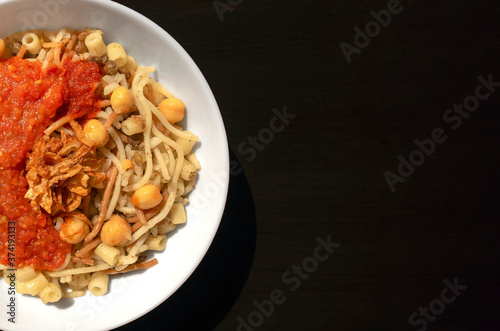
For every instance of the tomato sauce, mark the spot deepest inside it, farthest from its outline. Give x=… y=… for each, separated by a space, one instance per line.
x=29 y=98
x=79 y=89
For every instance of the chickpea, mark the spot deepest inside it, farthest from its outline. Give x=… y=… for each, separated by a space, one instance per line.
x=116 y=231
x=173 y=109
x=74 y=230
x=95 y=131
x=121 y=100
x=146 y=197
x=133 y=125
x=2 y=47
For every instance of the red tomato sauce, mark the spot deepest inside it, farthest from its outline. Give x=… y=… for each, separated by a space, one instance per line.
x=79 y=89
x=29 y=98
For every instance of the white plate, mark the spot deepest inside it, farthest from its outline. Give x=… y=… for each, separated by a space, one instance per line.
x=134 y=295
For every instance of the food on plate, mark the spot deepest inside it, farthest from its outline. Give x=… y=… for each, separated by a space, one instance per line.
x=95 y=168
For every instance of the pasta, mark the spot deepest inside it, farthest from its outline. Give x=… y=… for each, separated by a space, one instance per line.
x=51 y=293
x=116 y=53
x=95 y=44
x=108 y=254
x=156 y=243
x=111 y=180
x=98 y=285
x=32 y=43
x=34 y=285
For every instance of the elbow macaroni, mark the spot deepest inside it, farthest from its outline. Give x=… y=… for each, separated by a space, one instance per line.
x=108 y=254
x=32 y=42
x=95 y=44
x=51 y=293
x=34 y=285
x=98 y=285
x=117 y=53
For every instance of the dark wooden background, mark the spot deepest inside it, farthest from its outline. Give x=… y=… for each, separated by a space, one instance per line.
x=322 y=176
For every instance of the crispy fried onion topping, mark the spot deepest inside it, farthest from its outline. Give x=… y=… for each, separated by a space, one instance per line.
x=59 y=171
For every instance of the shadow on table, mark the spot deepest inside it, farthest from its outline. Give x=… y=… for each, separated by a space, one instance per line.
x=207 y=296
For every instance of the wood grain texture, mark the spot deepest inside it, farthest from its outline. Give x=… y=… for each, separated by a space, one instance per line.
x=323 y=174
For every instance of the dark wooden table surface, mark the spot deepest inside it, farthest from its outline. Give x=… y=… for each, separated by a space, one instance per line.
x=365 y=186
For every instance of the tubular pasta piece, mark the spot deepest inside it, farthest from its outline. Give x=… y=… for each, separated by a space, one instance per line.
x=95 y=44
x=50 y=293
x=34 y=285
x=107 y=253
x=98 y=285
x=32 y=43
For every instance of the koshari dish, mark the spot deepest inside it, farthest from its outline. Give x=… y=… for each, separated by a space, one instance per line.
x=94 y=167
